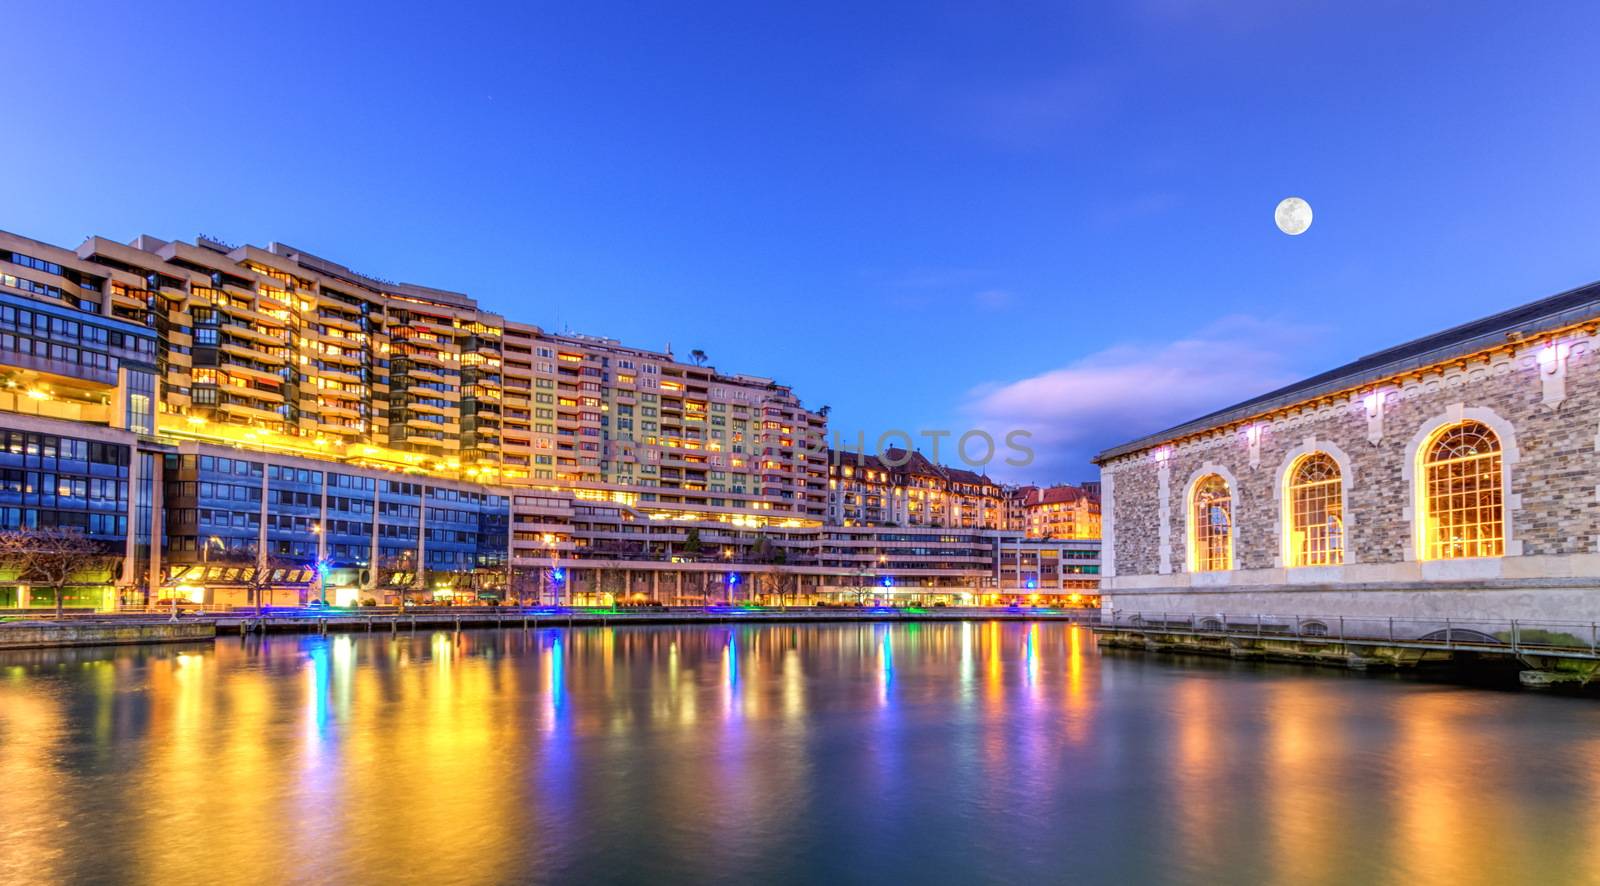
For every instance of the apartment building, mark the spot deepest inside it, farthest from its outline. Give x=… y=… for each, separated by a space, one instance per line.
x=226 y=418
x=1056 y=511
x=646 y=429
x=903 y=488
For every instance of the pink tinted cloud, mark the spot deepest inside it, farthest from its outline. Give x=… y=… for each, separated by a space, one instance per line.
x=1128 y=390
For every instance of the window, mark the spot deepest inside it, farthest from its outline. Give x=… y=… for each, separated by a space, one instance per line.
x=1211 y=526
x=1461 y=494
x=1316 y=512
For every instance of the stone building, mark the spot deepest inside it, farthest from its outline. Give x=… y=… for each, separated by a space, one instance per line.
x=1451 y=476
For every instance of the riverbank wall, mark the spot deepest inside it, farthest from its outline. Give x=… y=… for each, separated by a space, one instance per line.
x=102 y=632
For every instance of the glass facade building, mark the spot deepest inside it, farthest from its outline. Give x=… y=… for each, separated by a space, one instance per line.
x=54 y=481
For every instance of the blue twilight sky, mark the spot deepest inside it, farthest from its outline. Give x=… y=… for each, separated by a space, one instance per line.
x=1055 y=217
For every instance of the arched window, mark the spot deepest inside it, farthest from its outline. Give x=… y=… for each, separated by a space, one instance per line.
x=1316 y=512
x=1461 y=493
x=1211 y=525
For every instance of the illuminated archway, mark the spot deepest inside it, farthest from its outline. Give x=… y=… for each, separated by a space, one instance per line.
x=1314 y=524
x=1461 y=493
x=1210 y=524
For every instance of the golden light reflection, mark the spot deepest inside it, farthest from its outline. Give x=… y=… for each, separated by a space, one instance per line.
x=1198 y=775
x=1305 y=751
x=32 y=727
x=312 y=759
x=1437 y=762
x=1080 y=705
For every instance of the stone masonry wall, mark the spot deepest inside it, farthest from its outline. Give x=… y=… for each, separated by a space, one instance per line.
x=1550 y=453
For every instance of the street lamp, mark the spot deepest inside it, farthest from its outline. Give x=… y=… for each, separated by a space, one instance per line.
x=205 y=560
x=555 y=568
x=322 y=564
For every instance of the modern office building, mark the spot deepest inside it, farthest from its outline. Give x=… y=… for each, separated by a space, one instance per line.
x=241 y=424
x=1452 y=476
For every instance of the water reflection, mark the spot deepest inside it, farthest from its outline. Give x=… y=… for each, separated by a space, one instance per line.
x=730 y=753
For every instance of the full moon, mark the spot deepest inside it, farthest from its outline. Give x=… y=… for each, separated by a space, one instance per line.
x=1293 y=216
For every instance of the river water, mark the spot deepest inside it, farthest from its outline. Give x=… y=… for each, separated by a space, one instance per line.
x=906 y=753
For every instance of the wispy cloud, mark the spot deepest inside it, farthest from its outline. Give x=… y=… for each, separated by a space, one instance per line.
x=1131 y=389
x=1032 y=113
x=1135 y=208
x=945 y=287
x=937 y=277
x=995 y=299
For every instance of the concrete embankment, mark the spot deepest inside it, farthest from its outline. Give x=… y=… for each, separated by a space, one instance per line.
x=1535 y=666
x=102 y=632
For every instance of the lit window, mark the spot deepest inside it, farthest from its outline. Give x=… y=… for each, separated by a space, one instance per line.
x=1211 y=525
x=1316 y=512
x=1462 y=494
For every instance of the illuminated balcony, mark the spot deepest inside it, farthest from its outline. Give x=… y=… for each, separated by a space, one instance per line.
x=276 y=339
x=327 y=408
x=325 y=318
x=251 y=314
x=251 y=412
x=346 y=356
x=422 y=373
x=260 y=394
x=245 y=353
x=240 y=371
x=332 y=375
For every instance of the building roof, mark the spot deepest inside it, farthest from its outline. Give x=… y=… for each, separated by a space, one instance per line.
x=1517 y=324
x=899 y=461
x=1034 y=495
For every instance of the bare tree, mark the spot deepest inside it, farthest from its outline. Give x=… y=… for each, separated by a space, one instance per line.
x=861 y=588
x=51 y=558
x=399 y=574
x=787 y=585
x=613 y=582
x=524 y=581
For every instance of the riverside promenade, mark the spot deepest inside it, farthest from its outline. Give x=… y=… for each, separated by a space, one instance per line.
x=106 y=629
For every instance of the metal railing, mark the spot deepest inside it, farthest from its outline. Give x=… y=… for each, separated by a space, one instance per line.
x=1504 y=635
x=479 y=613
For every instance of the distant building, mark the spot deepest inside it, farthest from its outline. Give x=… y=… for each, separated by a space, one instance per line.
x=901 y=488
x=1452 y=476
x=1056 y=512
